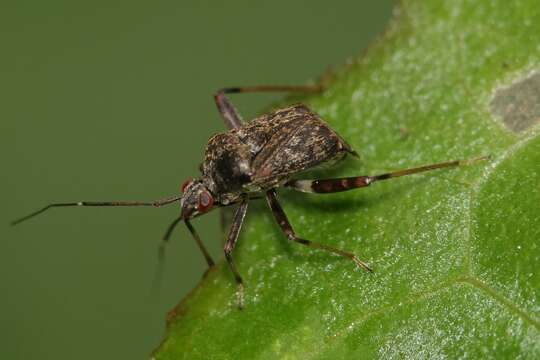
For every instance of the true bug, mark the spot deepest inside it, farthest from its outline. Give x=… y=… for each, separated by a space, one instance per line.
x=256 y=158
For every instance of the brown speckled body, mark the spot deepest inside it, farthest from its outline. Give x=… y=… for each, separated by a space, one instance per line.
x=267 y=151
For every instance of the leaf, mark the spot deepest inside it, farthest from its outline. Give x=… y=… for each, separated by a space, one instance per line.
x=455 y=252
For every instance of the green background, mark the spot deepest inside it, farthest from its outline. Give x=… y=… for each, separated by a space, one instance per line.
x=112 y=101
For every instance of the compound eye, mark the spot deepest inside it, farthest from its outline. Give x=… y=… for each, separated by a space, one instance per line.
x=186 y=184
x=205 y=201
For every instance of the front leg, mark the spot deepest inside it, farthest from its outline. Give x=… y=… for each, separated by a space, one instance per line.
x=237 y=222
x=283 y=222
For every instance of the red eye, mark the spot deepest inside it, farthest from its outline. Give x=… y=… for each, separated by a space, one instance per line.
x=186 y=184
x=205 y=201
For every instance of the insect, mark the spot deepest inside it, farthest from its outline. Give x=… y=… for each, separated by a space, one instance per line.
x=255 y=158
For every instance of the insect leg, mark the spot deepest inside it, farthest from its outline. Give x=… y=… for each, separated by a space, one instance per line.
x=229 y=113
x=349 y=183
x=205 y=252
x=171 y=227
x=156 y=283
x=238 y=219
x=272 y=88
x=191 y=229
x=283 y=222
x=156 y=203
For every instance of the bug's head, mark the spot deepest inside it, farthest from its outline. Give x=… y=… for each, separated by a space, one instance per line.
x=196 y=199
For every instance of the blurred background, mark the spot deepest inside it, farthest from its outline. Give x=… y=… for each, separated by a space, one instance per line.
x=112 y=100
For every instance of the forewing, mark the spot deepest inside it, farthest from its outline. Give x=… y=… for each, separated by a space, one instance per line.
x=303 y=141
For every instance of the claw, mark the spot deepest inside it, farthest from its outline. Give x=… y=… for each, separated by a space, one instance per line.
x=240 y=296
x=362 y=264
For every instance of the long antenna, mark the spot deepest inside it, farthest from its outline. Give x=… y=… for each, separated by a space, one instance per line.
x=155 y=203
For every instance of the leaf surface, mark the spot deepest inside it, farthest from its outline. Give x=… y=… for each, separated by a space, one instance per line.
x=455 y=252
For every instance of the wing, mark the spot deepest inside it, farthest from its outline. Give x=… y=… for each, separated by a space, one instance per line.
x=299 y=140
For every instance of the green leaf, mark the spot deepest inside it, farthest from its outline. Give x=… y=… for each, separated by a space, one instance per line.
x=455 y=252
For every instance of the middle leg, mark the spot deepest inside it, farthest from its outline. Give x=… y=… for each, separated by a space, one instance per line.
x=286 y=227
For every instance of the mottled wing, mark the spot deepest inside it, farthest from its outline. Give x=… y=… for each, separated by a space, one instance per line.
x=301 y=140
